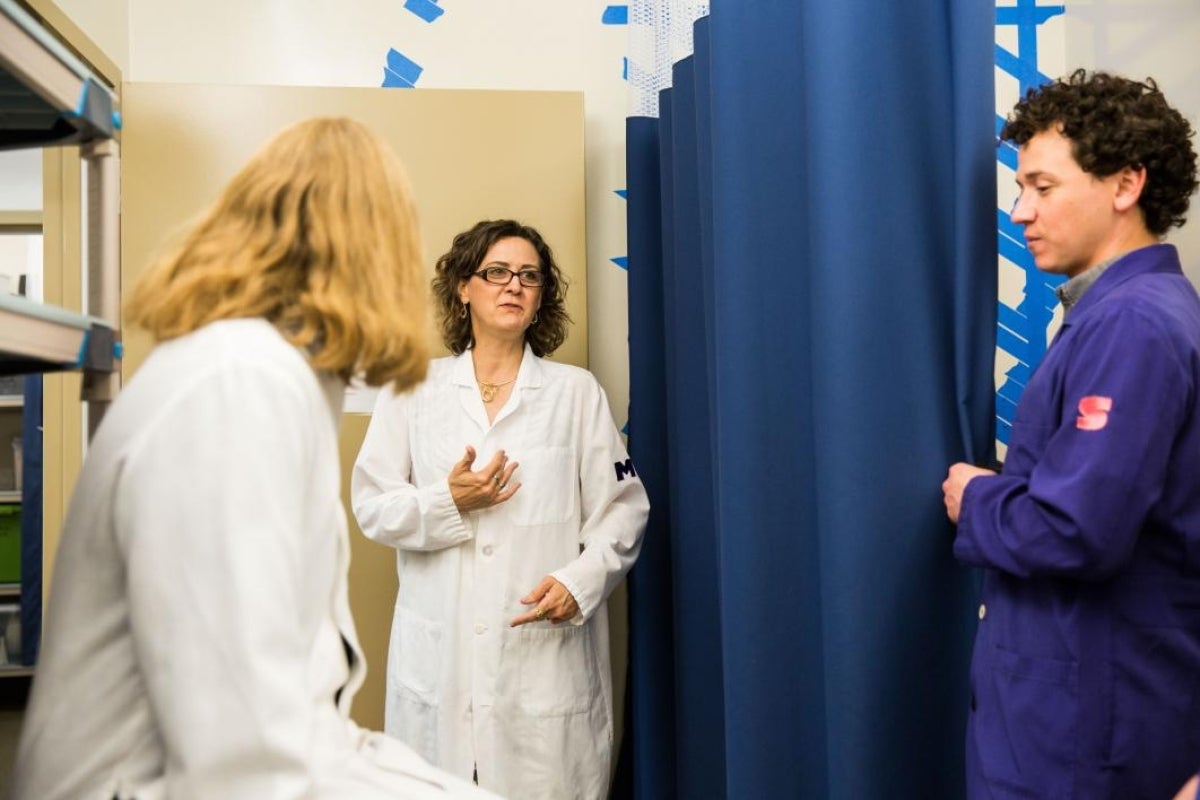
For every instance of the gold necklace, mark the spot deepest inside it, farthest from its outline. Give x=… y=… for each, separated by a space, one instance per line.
x=488 y=390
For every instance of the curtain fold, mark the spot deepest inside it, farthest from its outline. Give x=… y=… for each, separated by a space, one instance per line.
x=31 y=521
x=812 y=293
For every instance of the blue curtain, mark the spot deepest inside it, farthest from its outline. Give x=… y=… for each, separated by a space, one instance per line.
x=812 y=267
x=31 y=521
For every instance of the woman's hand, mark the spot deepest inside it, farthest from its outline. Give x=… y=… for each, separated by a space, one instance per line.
x=551 y=601
x=489 y=486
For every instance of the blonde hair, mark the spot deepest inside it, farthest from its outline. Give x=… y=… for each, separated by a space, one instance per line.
x=317 y=234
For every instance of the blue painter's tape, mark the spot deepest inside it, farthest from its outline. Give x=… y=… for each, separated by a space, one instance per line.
x=118 y=350
x=427 y=10
x=404 y=67
x=624 y=69
x=393 y=81
x=1026 y=13
x=621 y=261
x=116 y=118
x=1005 y=408
x=621 y=193
x=83 y=345
x=83 y=98
x=615 y=15
x=625 y=429
x=1026 y=73
x=1021 y=331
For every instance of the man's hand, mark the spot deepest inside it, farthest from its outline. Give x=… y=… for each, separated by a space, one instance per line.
x=957 y=478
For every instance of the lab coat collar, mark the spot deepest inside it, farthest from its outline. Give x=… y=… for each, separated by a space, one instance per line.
x=1144 y=260
x=530 y=375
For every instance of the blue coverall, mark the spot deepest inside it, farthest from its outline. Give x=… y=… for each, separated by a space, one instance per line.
x=1085 y=678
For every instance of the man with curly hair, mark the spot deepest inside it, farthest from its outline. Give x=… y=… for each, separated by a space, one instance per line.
x=1085 y=681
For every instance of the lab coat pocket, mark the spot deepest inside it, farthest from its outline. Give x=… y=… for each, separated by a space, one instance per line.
x=557 y=673
x=548 y=479
x=416 y=655
x=1026 y=725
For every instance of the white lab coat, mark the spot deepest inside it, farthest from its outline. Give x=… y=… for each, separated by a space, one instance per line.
x=198 y=629
x=530 y=707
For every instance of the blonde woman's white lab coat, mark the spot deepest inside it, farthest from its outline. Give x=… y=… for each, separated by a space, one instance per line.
x=198 y=642
x=529 y=707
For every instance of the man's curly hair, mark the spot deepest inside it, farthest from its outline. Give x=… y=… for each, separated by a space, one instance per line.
x=1113 y=123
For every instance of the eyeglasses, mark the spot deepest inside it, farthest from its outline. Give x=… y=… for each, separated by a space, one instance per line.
x=500 y=276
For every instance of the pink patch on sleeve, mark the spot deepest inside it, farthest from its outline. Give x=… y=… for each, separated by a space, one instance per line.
x=1093 y=413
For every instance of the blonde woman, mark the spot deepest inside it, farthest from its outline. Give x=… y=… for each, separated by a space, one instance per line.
x=199 y=641
x=504 y=486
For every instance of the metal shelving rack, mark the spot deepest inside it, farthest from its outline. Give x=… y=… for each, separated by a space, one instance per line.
x=50 y=96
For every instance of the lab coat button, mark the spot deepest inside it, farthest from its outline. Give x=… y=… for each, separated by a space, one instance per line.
x=982 y=611
x=487 y=549
x=480 y=628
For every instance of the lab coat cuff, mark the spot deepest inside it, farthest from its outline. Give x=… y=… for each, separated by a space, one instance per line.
x=586 y=608
x=454 y=523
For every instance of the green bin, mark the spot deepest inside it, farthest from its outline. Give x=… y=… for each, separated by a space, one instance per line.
x=10 y=543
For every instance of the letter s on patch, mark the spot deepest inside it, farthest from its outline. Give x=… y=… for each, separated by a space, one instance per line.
x=1093 y=413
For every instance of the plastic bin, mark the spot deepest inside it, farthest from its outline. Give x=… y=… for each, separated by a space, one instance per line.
x=10 y=543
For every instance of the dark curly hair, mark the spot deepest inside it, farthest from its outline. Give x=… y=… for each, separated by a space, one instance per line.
x=466 y=255
x=1113 y=123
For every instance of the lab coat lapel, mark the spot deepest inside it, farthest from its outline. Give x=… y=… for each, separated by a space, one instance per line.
x=529 y=376
x=468 y=392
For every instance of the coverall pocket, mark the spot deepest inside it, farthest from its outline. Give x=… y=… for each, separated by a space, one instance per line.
x=549 y=481
x=1025 y=725
x=415 y=662
x=557 y=673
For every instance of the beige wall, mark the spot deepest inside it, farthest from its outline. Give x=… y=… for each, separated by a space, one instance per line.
x=458 y=176
x=523 y=45
x=1139 y=39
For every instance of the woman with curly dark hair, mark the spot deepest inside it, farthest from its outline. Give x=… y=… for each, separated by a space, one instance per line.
x=499 y=666
x=1086 y=671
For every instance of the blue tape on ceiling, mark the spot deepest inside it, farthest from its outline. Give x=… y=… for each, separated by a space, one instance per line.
x=615 y=15
x=621 y=193
x=427 y=10
x=400 y=72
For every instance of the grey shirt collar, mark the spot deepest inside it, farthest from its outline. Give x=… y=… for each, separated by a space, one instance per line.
x=1070 y=292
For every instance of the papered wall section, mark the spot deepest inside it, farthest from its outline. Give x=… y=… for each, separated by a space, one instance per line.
x=567 y=45
x=1038 y=40
x=1029 y=52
